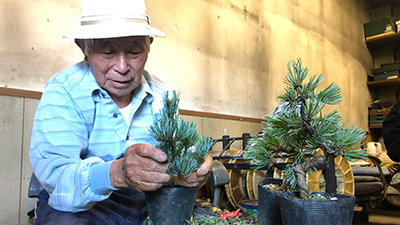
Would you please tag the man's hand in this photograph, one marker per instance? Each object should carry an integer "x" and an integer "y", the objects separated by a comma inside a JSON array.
[
  {"x": 199, "y": 177},
  {"x": 142, "y": 168}
]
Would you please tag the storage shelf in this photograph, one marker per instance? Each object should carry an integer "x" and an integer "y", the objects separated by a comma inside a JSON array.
[
  {"x": 378, "y": 126},
  {"x": 384, "y": 84},
  {"x": 385, "y": 42},
  {"x": 379, "y": 3},
  {"x": 389, "y": 40}
]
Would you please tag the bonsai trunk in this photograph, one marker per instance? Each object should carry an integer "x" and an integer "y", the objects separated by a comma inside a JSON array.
[{"x": 301, "y": 171}]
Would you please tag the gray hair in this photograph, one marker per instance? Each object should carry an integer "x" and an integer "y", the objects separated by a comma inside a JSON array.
[{"x": 88, "y": 44}]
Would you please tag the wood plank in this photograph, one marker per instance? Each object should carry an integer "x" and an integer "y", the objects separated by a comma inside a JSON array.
[
  {"x": 20, "y": 93},
  {"x": 384, "y": 84},
  {"x": 376, "y": 126},
  {"x": 220, "y": 116},
  {"x": 385, "y": 41}
]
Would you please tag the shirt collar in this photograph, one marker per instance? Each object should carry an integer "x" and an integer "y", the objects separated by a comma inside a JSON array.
[
  {"x": 94, "y": 87},
  {"x": 146, "y": 88}
]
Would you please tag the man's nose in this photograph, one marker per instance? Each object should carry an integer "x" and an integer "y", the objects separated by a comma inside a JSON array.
[{"x": 121, "y": 64}]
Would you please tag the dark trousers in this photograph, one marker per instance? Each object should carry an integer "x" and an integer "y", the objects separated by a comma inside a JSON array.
[{"x": 125, "y": 206}]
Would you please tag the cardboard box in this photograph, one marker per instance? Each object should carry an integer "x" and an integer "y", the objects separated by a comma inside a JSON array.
[{"x": 379, "y": 27}]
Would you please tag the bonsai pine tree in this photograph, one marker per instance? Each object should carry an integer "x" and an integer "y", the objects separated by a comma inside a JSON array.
[
  {"x": 179, "y": 139},
  {"x": 299, "y": 128}
]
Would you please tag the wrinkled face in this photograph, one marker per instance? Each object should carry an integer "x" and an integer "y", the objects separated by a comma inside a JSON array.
[{"x": 118, "y": 64}]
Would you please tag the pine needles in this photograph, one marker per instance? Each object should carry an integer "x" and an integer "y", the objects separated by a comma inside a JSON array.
[
  {"x": 179, "y": 139},
  {"x": 300, "y": 126}
]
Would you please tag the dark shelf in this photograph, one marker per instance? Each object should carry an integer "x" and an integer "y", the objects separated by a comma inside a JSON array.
[
  {"x": 389, "y": 40},
  {"x": 375, "y": 126},
  {"x": 373, "y": 4},
  {"x": 384, "y": 84}
]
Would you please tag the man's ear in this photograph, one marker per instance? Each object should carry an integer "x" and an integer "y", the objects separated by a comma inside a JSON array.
[
  {"x": 81, "y": 45},
  {"x": 151, "y": 39}
]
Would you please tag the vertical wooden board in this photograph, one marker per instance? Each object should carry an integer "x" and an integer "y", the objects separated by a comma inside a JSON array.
[
  {"x": 10, "y": 150},
  {"x": 247, "y": 127},
  {"x": 216, "y": 128},
  {"x": 27, "y": 204},
  {"x": 253, "y": 128},
  {"x": 211, "y": 128}
]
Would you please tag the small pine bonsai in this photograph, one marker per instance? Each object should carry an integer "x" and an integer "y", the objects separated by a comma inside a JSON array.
[
  {"x": 179, "y": 139},
  {"x": 299, "y": 128}
]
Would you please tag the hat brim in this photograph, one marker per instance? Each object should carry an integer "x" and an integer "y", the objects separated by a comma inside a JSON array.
[{"x": 115, "y": 33}]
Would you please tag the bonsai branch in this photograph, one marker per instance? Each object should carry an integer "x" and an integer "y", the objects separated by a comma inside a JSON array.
[{"x": 328, "y": 149}]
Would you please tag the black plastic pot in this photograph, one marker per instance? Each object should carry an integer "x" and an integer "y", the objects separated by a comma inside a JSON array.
[
  {"x": 268, "y": 205},
  {"x": 296, "y": 211},
  {"x": 171, "y": 205}
]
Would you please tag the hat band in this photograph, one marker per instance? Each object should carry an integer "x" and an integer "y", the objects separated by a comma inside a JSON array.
[
  {"x": 114, "y": 21},
  {"x": 143, "y": 19}
]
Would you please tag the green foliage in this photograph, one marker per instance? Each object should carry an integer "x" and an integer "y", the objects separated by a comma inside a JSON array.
[
  {"x": 179, "y": 139},
  {"x": 300, "y": 127},
  {"x": 148, "y": 221},
  {"x": 199, "y": 219}
]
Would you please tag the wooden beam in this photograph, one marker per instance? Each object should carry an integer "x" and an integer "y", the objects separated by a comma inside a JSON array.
[
  {"x": 220, "y": 116},
  {"x": 20, "y": 93}
]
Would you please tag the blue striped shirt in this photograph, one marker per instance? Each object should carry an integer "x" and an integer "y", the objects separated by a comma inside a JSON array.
[{"x": 79, "y": 131}]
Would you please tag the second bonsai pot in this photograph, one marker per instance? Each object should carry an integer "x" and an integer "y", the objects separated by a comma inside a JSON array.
[
  {"x": 171, "y": 205},
  {"x": 296, "y": 211},
  {"x": 268, "y": 205}
]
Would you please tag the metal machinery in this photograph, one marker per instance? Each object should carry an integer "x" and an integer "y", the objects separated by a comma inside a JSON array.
[
  {"x": 335, "y": 176},
  {"x": 243, "y": 179}
]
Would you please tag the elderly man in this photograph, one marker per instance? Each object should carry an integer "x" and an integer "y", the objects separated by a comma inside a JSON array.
[{"x": 90, "y": 147}]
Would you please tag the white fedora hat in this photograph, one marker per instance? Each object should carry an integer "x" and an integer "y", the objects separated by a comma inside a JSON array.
[{"x": 114, "y": 18}]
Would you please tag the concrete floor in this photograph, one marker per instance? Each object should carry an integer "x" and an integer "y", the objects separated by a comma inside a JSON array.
[
  {"x": 384, "y": 216},
  {"x": 379, "y": 219},
  {"x": 376, "y": 218}
]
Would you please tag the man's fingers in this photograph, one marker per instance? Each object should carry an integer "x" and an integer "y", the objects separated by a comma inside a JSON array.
[
  {"x": 206, "y": 167},
  {"x": 153, "y": 166},
  {"x": 148, "y": 181},
  {"x": 144, "y": 167},
  {"x": 197, "y": 178},
  {"x": 148, "y": 151}
]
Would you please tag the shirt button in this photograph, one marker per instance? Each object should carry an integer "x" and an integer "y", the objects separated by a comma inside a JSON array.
[{"x": 115, "y": 115}]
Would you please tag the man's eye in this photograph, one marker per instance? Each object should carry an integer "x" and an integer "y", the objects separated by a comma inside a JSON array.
[
  {"x": 135, "y": 53},
  {"x": 108, "y": 53}
]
